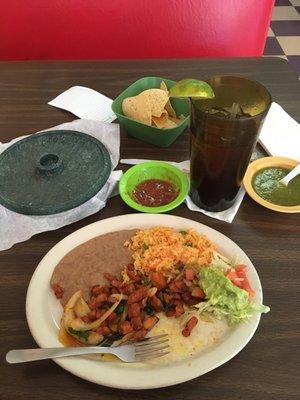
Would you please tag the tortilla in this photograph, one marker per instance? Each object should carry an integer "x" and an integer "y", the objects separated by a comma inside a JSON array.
[
  {"x": 163, "y": 122},
  {"x": 177, "y": 121},
  {"x": 163, "y": 86},
  {"x": 168, "y": 107},
  {"x": 158, "y": 99},
  {"x": 84, "y": 266},
  {"x": 138, "y": 108},
  {"x": 170, "y": 110}
]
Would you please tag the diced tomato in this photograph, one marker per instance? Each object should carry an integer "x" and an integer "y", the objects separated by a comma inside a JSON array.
[
  {"x": 158, "y": 280},
  {"x": 150, "y": 322},
  {"x": 176, "y": 296},
  {"x": 138, "y": 295},
  {"x": 241, "y": 270},
  {"x": 198, "y": 292},
  {"x": 189, "y": 300},
  {"x": 179, "y": 283},
  {"x": 238, "y": 277},
  {"x": 137, "y": 323},
  {"x": 173, "y": 287},
  {"x": 134, "y": 310},
  {"x": 170, "y": 313},
  {"x": 116, "y": 283},
  {"x": 140, "y": 334},
  {"x": 109, "y": 277},
  {"x": 167, "y": 297},
  {"x": 126, "y": 327},
  {"x": 134, "y": 277},
  {"x": 189, "y": 326},
  {"x": 235, "y": 279},
  {"x": 129, "y": 288},
  {"x": 92, "y": 315},
  {"x": 156, "y": 303},
  {"x": 247, "y": 287},
  {"x": 189, "y": 274},
  {"x": 97, "y": 289},
  {"x": 143, "y": 315},
  {"x": 103, "y": 330},
  {"x": 179, "y": 310}
]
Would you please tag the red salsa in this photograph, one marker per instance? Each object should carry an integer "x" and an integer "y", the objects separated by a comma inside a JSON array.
[{"x": 154, "y": 192}]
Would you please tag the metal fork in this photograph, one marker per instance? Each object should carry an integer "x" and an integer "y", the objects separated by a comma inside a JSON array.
[{"x": 138, "y": 351}]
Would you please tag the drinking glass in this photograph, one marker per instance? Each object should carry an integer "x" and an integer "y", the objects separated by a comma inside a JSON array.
[{"x": 224, "y": 132}]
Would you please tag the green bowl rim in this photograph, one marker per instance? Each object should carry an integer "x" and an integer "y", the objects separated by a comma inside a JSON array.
[
  {"x": 167, "y": 207},
  {"x": 140, "y": 123}
]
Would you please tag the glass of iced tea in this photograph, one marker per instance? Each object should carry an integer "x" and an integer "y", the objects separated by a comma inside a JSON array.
[{"x": 224, "y": 132}]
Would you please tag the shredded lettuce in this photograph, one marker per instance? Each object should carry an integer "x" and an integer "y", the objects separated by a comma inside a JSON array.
[
  {"x": 224, "y": 299},
  {"x": 220, "y": 261}
]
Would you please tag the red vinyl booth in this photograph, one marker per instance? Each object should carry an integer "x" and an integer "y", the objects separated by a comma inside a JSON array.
[{"x": 132, "y": 29}]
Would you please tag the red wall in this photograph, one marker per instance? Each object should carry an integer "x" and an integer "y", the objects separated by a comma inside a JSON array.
[{"x": 115, "y": 29}]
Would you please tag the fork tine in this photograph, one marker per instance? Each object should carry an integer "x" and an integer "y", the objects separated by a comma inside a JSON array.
[
  {"x": 152, "y": 356},
  {"x": 152, "y": 338},
  {"x": 150, "y": 350},
  {"x": 144, "y": 345}
]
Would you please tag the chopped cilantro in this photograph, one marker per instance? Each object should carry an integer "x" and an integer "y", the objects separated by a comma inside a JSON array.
[
  {"x": 167, "y": 306},
  {"x": 183, "y": 232},
  {"x": 110, "y": 339},
  {"x": 180, "y": 266},
  {"x": 81, "y": 334},
  {"x": 149, "y": 310},
  {"x": 146, "y": 281},
  {"x": 120, "y": 308}
]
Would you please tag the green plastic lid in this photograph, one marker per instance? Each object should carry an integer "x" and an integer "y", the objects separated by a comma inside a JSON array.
[{"x": 52, "y": 172}]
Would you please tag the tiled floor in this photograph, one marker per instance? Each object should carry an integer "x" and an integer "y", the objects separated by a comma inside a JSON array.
[{"x": 284, "y": 34}]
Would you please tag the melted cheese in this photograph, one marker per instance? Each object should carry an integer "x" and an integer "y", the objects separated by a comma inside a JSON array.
[{"x": 204, "y": 335}]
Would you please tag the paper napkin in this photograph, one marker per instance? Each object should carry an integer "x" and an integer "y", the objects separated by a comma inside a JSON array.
[
  {"x": 227, "y": 215},
  {"x": 85, "y": 103},
  {"x": 15, "y": 228},
  {"x": 280, "y": 134}
]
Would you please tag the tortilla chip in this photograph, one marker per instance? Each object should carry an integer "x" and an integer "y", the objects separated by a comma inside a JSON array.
[
  {"x": 177, "y": 121},
  {"x": 170, "y": 110},
  {"x": 138, "y": 108},
  {"x": 164, "y": 113},
  {"x": 158, "y": 99},
  {"x": 163, "y": 86},
  {"x": 168, "y": 106},
  {"x": 163, "y": 122}
]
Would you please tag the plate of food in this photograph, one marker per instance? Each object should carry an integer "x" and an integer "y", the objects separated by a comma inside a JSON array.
[{"x": 141, "y": 275}]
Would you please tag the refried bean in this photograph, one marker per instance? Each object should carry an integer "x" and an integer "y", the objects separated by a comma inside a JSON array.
[{"x": 87, "y": 263}]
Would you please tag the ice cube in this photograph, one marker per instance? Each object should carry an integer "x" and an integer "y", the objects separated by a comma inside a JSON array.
[{"x": 228, "y": 112}]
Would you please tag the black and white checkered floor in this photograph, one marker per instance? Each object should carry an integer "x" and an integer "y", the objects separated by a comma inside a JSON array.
[{"x": 284, "y": 33}]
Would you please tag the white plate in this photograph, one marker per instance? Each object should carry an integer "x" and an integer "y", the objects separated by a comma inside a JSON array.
[{"x": 43, "y": 312}]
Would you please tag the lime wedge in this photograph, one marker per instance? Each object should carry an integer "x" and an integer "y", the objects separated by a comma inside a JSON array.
[{"x": 192, "y": 88}]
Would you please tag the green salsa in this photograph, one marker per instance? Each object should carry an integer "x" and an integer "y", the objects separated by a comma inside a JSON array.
[{"x": 265, "y": 183}]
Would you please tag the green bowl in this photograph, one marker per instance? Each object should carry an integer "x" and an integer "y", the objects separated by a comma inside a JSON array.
[
  {"x": 151, "y": 134},
  {"x": 153, "y": 170}
]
